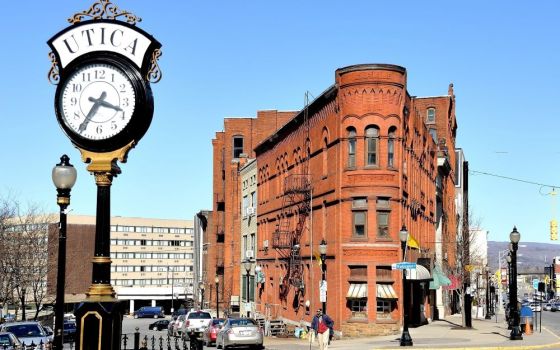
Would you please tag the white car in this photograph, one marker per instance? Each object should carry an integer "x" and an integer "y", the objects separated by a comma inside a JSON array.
[
  {"x": 28, "y": 333},
  {"x": 536, "y": 307},
  {"x": 195, "y": 322}
]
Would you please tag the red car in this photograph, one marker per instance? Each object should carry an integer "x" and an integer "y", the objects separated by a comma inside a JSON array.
[{"x": 210, "y": 333}]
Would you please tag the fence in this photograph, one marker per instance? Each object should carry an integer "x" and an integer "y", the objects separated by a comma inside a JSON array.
[{"x": 129, "y": 341}]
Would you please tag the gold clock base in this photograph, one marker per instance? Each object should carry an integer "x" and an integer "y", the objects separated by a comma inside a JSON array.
[{"x": 106, "y": 162}]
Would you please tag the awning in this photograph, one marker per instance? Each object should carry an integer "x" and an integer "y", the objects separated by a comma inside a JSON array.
[
  {"x": 440, "y": 279},
  {"x": 419, "y": 273},
  {"x": 357, "y": 291},
  {"x": 386, "y": 291}
]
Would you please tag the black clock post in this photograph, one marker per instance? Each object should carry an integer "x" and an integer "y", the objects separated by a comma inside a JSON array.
[{"x": 104, "y": 105}]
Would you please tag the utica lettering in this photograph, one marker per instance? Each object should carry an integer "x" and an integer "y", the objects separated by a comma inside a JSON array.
[{"x": 101, "y": 36}]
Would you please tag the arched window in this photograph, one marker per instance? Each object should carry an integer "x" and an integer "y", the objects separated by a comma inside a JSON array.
[
  {"x": 372, "y": 143},
  {"x": 351, "y": 134},
  {"x": 325, "y": 158},
  {"x": 391, "y": 147}
]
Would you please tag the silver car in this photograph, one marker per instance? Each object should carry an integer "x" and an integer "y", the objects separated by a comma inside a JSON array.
[
  {"x": 240, "y": 332},
  {"x": 28, "y": 333},
  {"x": 8, "y": 341}
]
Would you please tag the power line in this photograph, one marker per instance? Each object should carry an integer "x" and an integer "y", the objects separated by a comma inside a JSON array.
[{"x": 512, "y": 179}]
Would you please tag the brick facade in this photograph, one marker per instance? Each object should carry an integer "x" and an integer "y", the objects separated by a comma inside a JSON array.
[{"x": 373, "y": 167}]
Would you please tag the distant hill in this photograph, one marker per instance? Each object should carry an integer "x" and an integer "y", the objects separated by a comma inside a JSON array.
[{"x": 532, "y": 256}]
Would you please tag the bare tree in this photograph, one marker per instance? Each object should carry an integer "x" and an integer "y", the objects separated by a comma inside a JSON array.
[{"x": 23, "y": 242}]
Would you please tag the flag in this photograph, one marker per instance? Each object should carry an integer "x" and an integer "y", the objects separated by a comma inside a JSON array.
[
  {"x": 412, "y": 243},
  {"x": 318, "y": 257}
]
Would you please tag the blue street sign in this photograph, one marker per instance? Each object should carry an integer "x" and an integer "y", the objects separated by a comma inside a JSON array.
[
  {"x": 404, "y": 265},
  {"x": 536, "y": 283}
]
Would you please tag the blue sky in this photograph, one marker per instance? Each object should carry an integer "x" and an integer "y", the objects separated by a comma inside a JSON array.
[{"x": 232, "y": 58}]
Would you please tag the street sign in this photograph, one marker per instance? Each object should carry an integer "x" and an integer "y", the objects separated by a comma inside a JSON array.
[
  {"x": 535, "y": 283},
  {"x": 323, "y": 291},
  {"x": 403, "y": 266}
]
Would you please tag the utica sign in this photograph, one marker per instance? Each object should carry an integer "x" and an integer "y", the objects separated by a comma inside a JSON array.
[{"x": 100, "y": 35}]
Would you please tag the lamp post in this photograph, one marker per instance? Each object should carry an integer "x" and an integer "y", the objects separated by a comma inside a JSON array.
[
  {"x": 406, "y": 339},
  {"x": 247, "y": 264},
  {"x": 201, "y": 288},
  {"x": 64, "y": 177},
  {"x": 217, "y": 281},
  {"x": 515, "y": 334},
  {"x": 323, "y": 252},
  {"x": 487, "y": 317}
]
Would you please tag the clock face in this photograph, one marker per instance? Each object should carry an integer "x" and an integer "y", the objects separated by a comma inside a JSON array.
[{"x": 97, "y": 101}]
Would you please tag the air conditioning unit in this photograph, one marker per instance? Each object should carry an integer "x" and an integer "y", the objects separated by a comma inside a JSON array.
[
  {"x": 250, "y": 211},
  {"x": 249, "y": 254},
  {"x": 265, "y": 243}
]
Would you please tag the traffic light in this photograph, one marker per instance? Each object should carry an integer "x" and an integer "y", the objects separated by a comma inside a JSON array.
[{"x": 553, "y": 230}]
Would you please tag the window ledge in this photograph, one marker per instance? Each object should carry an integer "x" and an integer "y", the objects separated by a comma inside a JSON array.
[
  {"x": 384, "y": 239},
  {"x": 357, "y": 320},
  {"x": 372, "y": 167},
  {"x": 386, "y": 321},
  {"x": 358, "y": 239}
]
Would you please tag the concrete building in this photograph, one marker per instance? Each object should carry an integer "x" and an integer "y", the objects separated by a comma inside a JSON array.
[
  {"x": 361, "y": 161},
  {"x": 248, "y": 177},
  {"x": 152, "y": 260}
]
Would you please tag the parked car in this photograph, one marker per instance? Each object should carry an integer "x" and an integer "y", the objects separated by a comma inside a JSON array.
[
  {"x": 211, "y": 332},
  {"x": 547, "y": 307},
  {"x": 195, "y": 321},
  {"x": 9, "y": 317},
  {"x": 149, "y": 311},
  {"x": 555, "y": 307},
  {"x": 159, "y": 325},
  {"x": 8, "y": 341},
  {"x": 69, "y": 330},
  {"x": 179, "y": 312},
  {"x": 240, "y": 332},
  {"x": 27, "y": 332},
  {"x": 536, "y": 307}
]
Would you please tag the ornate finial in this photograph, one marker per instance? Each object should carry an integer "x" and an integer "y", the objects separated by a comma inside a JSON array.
[
  {"x": 54, "y": 76},
  {"x": 104, "y": 9},
  {"x": 154, "y": 73}
]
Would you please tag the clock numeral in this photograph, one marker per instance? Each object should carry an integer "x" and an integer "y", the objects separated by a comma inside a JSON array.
[
  {"x": 86, "y": 76},
  {"x": 126, "y": 102},
  {"x": 76, "y": 115},
  {"x": 99, "y": 129},
  {"x": 73, "y": 101},
  {"x": 113, "y": 125},
  {"x": 76, "y": 87},
  {"x": 122, "y": 87},
  {"x": 100, "y": 74},
  {"x": 112, "y": 77}
]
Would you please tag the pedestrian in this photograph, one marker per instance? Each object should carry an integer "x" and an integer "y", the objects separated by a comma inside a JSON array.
[{"x": 322, "y": 325}]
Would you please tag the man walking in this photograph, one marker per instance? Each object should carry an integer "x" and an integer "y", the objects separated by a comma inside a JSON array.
[{"x": 322, "y": 325}]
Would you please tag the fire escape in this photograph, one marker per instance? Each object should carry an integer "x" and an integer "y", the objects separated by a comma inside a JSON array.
[{"x": 296, "y": 207}]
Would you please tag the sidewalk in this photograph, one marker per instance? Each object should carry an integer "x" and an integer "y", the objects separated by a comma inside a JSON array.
[{"x": 443, "y": 334}]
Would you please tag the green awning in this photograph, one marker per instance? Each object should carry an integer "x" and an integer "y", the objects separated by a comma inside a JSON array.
[{"x": 439, "y": 278}]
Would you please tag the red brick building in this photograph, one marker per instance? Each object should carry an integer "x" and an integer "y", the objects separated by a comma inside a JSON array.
[{"x": 352, "y": 168}]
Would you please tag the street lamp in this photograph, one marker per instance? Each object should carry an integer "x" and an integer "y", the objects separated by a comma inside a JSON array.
[
  {"x": 406, "y": 339},
  {"x": 247, "y": 264},
  {"x": 515, "y": 334},
  {"x": 487, "y": 317},
  {"x": 217, "y": 281},
  {"x": 64, "y": 177},
  {"x": 323, "y": 252},
  {"x": 201, "y": 288}
]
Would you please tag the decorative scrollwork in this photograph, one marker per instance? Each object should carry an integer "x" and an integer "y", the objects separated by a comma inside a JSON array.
[
  {"x": 154, "y": 73},
  {"x": 53, "y": 76},
  {"x": 104, "y": 9}
]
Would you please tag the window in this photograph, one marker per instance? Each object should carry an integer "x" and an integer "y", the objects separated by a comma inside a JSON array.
[
  {"x": 325, "y": 158},
  {"x": 359, "y": 217},
  {"x": 386, "y": 295},
  {"x": 351, "y": 133},
  {"x": 384, "y": 307},
  {"x": 372, "y": 141},
  {"x": 431, "y": 115},
  {"x": 245, "y": 206},
  {"x": 391, "y": 148},
  {"x": 383, "y": 214},
  {"x": 356, "y": 299},
  {"x": 254, "y": 199},
  {"x": 237, "y": 146},
  {"x": 433, "y": 132}
]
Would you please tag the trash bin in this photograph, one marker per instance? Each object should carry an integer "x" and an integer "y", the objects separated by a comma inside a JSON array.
[{"x": 526, "y": 320}]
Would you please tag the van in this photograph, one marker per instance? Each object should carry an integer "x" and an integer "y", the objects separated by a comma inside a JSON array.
[{"x": 149, "y": 311}]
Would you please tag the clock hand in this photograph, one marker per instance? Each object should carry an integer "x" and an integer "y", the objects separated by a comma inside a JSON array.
[
  {"x": 104, "y": 103},
  {"x": 92, "y": 111}
]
